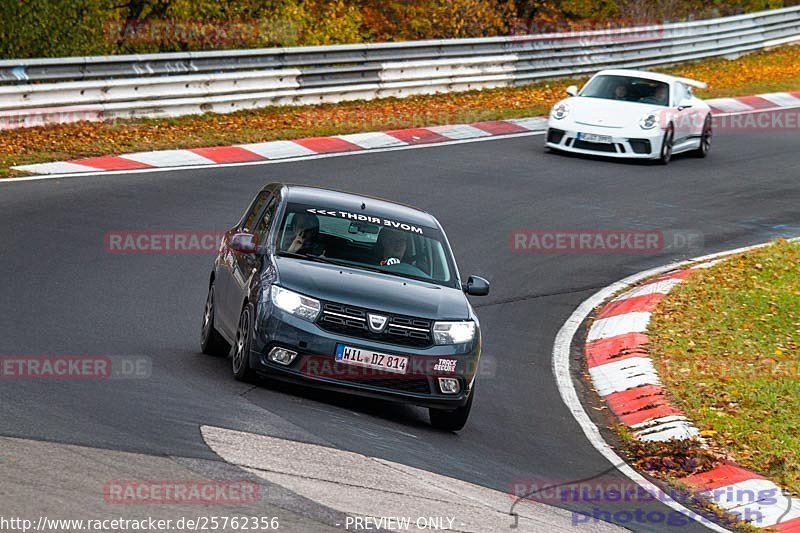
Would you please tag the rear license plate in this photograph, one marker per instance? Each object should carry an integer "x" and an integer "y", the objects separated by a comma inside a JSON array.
[
  {"x": 593, "y": 138},
  {"x": 369, "y": 359}
]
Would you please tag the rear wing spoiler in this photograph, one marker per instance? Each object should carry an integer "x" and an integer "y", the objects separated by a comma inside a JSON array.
[{"x": 693, "y": 83}]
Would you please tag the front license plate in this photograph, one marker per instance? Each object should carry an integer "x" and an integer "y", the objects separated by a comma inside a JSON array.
[
  {"x": 369, "y": 359},
  {"x": 593, "y": 138}
]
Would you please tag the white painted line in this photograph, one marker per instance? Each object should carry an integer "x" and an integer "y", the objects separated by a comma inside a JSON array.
[
  {"x": 731, "y": 105},
  {"x": 759, "y": 499},
  {"x": 604, "y": 328},
  {"x": 169, "y": 158},
  {"x": 562, "y": 347},
  {"x": 57, "y": 167},
  {"x": 653, "y": 424},
  {"x": 707, "y": 264},
  {"x": 531, "y": 123},
  {"x": 310, "y": 157},
  {"x": 622, "y": 375},
  {"x": 781, "y": 99},
  {"x": 658, "y": 287},
  {"x": 678, "y": 430},
  {"x": 743, "y": 493},
  {"x": 278, "y": 149},
  {"x": 370, "y": 141},
  {"x": 295, "y": 152},
  {"x": 459, "y": 131}
]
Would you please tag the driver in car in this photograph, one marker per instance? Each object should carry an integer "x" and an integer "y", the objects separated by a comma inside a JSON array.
[
  {"x": 620, "y": 92},
  {"x": 659, "y": 97},
  {"x": 392, "y": 246},
  {"x": 305, "y": 237}
]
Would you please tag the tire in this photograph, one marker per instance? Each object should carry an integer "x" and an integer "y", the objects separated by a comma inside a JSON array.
[
  {"x": 240, "y": 359},
  {"x": 705, "y": 139},
  {"x": 211, "y": 342},
  {"x": 451, "y": 420},
  {"x": 666, "y": 146}
]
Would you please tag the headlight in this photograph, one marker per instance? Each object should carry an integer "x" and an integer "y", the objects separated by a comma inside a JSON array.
[
  {"x": 560, "y": 111},
  {"x": 296, "y": 304},
  {"x": 648, "y": 122},
  {"x": 453, "y": 332}
]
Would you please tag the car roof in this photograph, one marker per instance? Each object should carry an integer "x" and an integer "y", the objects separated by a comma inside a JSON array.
[
  {"x": 656, "y": 76},
  {"x": 344, "y": 201}
]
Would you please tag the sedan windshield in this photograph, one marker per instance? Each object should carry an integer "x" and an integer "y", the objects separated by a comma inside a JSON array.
[
  {"x": 628, "y": 89},
  {"x": 365, "y": 241}
]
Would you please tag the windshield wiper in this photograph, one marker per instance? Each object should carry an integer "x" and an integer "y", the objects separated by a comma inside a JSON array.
[{"x": 285, "y": 253}]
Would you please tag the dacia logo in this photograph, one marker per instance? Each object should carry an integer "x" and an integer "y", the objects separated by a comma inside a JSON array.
[{"x": 377, "y": 323}]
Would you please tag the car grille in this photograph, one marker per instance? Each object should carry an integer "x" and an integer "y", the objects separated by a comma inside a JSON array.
[
  {"x": 416, "y": 385},
  {"x": 595, "y": 147},
  {"x": 554, "y": 136},
  {"x": 352, "y": 321},
  {"x": 640, "y": 146}
]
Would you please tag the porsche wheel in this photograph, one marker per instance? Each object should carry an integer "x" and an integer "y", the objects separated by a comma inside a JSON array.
[
  {"x": 666, "y": 146},
  {"x": 705, "y": 138}
]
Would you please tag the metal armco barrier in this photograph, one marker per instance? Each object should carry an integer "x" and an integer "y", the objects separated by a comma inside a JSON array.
[{"x": 45, "y": 91}]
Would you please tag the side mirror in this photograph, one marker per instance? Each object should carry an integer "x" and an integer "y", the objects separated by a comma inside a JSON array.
[
  {"x": 476, "y": 286},
  {"x": 684, "y": 104},
  {"x": 243, "y": 242},
  {"x": 572, "y": 90}
]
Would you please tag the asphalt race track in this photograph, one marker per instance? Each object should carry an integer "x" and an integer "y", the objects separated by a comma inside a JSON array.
[{"x": 62, "y": 293}]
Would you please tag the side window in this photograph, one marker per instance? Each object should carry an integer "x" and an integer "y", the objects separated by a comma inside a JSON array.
[
  {"x": 255, "y": 210},
  {"x": 263, "y": 225},
  {"x": 681, "y": 93}
]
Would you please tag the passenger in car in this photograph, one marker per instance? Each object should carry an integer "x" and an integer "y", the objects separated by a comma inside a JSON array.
[{"x": 621, "y": 92}]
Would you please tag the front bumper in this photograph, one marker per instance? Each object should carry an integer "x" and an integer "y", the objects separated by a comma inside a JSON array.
[
  {"x": 316, "y": 365},
  {"x": 625, "y": 143}
]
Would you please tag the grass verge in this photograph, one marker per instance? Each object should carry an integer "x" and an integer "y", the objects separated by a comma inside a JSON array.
[
  {"x": 775, "y": 70},
  {"x": 727, "y": 346}
]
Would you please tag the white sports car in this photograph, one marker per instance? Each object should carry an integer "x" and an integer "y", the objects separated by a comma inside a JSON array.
[{"x": 631, "y": 113}]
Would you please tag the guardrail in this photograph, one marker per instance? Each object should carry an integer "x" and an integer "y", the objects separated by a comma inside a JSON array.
[{"x": 40, "y": 91}]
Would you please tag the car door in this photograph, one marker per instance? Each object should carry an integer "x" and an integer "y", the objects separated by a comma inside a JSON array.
[
  {"x": 227, "y": 298},
  {"x": 246, "y": 266},
  {"x": 686, "y": 120}
]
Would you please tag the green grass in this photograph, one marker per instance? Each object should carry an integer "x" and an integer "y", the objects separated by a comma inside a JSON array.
[{"x": 727, "y": 346}]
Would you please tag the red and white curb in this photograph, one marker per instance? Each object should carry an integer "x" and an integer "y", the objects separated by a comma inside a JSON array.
[
  {"x": 623, "y": 374},
  {"x": 758, "y": 102},
  {"x": 358, "y": 142},
  {"x": 298, "y": 148}
]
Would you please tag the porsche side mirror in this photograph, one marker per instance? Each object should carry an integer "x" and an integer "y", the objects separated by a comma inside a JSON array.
[
  {"x": 572, "y": 90},
  {"x": 476, "y": 286},
  {"x": 243, "y": 242}
]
